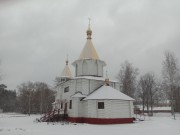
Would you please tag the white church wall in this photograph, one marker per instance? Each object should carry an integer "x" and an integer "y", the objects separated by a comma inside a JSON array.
[
  {"x": 85, "y": 86},
  {"x": 100, "y": 68},
  {"x": 131, "y": 108},
  {"x": 92, "y": 111},
  {"x": 92, "y": 67},
  {"x": 79, "y": 108},
  {"x": 57, "y": 94},
  {"x": 73, "y": 86},
  {"x": 72, "y": 89},
  {"x": 107, "y": 109},
  {"x": 73, "y": 112},
  {"x": 85, "y": 68},
  {"x": 120, "y": 109},
  {"x": 89, "y": 67},
  {"x": 66, "y": 95},
  {"x": 78, "y": 84},
  {"x": 89, "y": 109},
  {"x": 78, "y": 68},
  {"x": 102, "y": 113},
  {"x": 82, "y": 108},
  {"x": 112, "y": 109},
  {"x": 94, "y": 84}
]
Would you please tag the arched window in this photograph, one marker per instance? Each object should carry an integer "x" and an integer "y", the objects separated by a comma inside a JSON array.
[
  {"x": 85, "y": 68},
  {"x": 76, "y": 69},
  {"x": 70, "y": 104}
]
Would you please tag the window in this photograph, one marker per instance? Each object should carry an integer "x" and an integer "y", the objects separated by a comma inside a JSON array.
[
  {"x": 70, "y": 104},
  {"x": 61, "y": 105},
  {"x": 100, "y": 105},
  {"x": 62, "y": 80},
  {"x": 66, "y": 89},
  {"x": 76, "y": 69},
  {"x": 85, "y": 68}
]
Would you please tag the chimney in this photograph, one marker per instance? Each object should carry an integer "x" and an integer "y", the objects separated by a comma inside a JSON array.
[{"x": 107, "y": 81}]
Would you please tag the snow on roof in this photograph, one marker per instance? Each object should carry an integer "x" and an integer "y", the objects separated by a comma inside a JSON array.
[
  {"x": 107, "y": 92},
  {"x": 94, "y": 78},
  {"x": 78, "y": 95}
]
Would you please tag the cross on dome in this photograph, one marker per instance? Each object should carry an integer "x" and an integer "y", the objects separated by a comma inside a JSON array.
[
  {"x": 67, "y": 60},
  {"x": 89, "y": 52},
  {"x": 89, "y": 31},
  {"x": 66, "y": 72}
]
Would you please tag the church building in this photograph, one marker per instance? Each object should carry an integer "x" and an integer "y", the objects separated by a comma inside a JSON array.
[{"x": 88, "y": 96}]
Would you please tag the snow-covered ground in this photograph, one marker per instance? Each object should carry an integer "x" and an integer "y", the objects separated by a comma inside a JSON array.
[
  {"x": 18, "y": 124},
  {"x": 168, "y": 108}
]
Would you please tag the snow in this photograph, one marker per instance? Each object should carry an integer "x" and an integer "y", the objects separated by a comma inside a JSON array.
[
  {"x": 18, "y": 124},
  {"x": 162, "y": 108},
  {"x": 107, "y": 92},
  {"x": 77, "y": 95},
  {"x": 94, "y": 78},
  {"x": 156, "y": 108}
]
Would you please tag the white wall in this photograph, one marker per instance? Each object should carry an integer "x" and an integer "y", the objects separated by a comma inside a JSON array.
[
  {"x": 74, "y": 111},
  {"x": 79, "y": 108},
  {"x": 94, "y": 84},
  {"x": 120, "y": 109},
  {"x": 113, "y": 109},
  {"x": 86, "y": 86},
  {"x": 89, "y": 67},
  {"x": 89, "y": 109}
]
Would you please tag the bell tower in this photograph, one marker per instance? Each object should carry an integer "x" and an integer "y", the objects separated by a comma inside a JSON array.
[
  {"x": 89, "y": 63},
  {"x": 66, "y": 73}
]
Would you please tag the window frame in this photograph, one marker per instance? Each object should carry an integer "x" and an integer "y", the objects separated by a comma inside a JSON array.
[
  {"x": 61, "y": 105},
  {"x": 66, "y": 89},
  {"x": 70, "y": 104},
  {"x": 100, "y": 105}
]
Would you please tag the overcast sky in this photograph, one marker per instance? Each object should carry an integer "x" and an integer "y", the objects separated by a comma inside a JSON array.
[{"x": 37, "y": 35}]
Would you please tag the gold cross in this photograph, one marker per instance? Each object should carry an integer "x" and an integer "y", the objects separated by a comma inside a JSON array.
[{"x": 89, "y": 21}]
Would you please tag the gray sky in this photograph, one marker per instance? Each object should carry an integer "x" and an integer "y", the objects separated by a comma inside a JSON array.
[{"x": 36, "y": 35}]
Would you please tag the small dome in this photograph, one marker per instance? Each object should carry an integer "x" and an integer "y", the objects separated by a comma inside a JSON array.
[
  {"x": 89, "y": 52},
  {"x": 66, "y": 72}
]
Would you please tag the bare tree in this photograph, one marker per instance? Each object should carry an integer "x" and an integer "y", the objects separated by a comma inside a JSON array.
[
  {"x": 35, "y": 97},
  {"x": 171, "y": 77},
  {"x": 127, "y": 78},
  {"x": 25, "y": 97},
  {"x": 147, "y": 90},
  {"x": 0, "y": 71},
  {"x": 160, "y": 97},
  {"x": 141, "y": 91}
]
